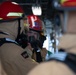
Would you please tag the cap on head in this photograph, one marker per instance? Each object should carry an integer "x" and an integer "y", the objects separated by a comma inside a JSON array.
[
  {"x": 34, "y": 23},
  {"x": 68, "y": 3},
  {"x": 63, "y": 5},
  {"x": 10, "y": 10}
]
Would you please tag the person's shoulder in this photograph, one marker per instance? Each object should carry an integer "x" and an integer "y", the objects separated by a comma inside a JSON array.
[
  {"x": 50, "y": 68},
  {"x": 12, "y": 48},
  {"x": 42, "y": 69},
  {"x": 15, "y": 46}
]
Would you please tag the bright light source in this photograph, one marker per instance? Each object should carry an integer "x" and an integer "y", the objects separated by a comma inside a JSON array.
[{"x": 36, "y": 9}]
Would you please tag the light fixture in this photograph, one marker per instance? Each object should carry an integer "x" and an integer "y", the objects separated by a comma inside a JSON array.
[{"x": 36, "y": 9}]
